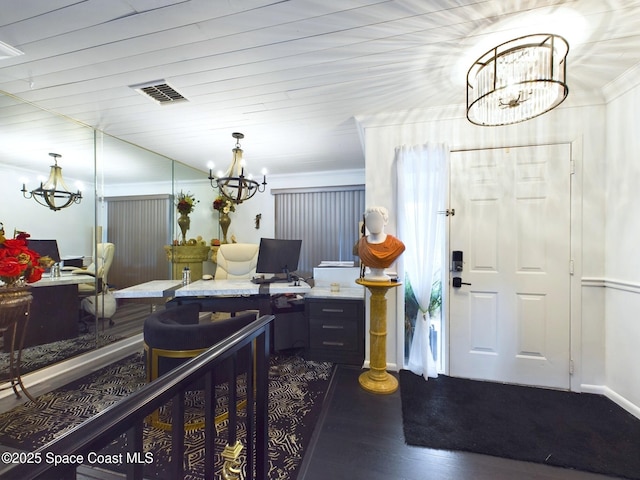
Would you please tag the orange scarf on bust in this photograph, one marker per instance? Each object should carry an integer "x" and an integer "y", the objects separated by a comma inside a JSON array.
[{"x": 380, "y": 255}]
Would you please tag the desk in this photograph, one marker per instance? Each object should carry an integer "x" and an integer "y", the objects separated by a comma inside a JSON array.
[
  {"x": 208, "y": 288},
  {"x": 54, "y": 309},
  {"x": 239, "y": 287},
  {"x": 221, "y": 296},
  {"x": 152, "y": 289}
]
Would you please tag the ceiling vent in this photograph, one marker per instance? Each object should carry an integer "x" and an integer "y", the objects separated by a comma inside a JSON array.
[{"x": 159, "y": 91}]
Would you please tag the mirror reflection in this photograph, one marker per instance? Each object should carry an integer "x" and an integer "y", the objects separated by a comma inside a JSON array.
[
  {"x": 123, "y": 231},
  {"x": 66, "y": 235}
]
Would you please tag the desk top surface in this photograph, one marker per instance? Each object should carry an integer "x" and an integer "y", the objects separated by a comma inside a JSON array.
[
  {"x": 174, "y": 288},
  {"x": 345, "y": 293},
  {"x": 66, "y": 278}
]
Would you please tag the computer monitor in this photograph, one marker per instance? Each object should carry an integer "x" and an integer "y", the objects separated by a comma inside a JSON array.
[
  {"x": 48, "y": 248},
  {"x": 279, "y": 257}
]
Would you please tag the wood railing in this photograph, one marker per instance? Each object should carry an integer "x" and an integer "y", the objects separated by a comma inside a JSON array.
[{"x": 61, "y": 458}]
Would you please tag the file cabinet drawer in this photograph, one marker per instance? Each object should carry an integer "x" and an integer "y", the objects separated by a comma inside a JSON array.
[
  {"x": 334, "y": 334},
  {"x": 336, "y": 330},
  {"x": 333, "y": 309}
]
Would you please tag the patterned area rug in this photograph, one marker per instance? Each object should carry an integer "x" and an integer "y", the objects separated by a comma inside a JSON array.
[
  {"x": 296, "y": 391},
  {"x": 34, "y": 358}
]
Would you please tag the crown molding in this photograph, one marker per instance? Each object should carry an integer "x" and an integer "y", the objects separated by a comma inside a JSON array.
[
  {"x": 7, "y": 51},
  {"x": 622, "y": 84}
]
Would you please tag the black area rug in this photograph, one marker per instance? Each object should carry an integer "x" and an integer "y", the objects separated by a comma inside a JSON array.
[
  {"x": 572, "y": 430},
  {"x": 296, "y": 391}
]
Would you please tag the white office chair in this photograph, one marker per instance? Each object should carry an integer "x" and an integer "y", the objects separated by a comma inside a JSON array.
[
  {"x": 103, "y": 260},
  {"x": 237, "y": 261},
  {"x": 99, "y": 268}
]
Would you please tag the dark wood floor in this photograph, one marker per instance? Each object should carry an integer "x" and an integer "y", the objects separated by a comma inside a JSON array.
[{"x": 359, "y": 437}]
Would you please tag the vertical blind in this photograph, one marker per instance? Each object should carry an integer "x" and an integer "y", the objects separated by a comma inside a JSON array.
[
  {"x": 139, "y": 228},
  {"x": 326, "y": 220}
]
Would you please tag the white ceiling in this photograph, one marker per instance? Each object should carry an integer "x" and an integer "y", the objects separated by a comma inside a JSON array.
[{"x": 291, "y": 75}]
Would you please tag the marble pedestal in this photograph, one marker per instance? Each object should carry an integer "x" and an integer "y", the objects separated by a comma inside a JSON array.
[{"x": 377, "y": 379}]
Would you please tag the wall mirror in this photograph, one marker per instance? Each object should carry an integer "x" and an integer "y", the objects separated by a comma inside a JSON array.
[{"x": 127, "y": 200}]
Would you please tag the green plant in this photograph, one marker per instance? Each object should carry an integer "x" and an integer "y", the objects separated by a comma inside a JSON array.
[{"x": 435, "y": 302}]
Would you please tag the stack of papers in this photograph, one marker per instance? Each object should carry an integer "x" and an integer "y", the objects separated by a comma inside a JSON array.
[{"x": 335, "y": 263}]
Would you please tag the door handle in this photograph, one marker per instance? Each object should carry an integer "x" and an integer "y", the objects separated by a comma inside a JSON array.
[{"x": 457, "y": 282}]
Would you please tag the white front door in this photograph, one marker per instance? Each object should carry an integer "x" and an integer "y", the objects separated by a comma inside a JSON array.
[{"x": 509, "y": 319}]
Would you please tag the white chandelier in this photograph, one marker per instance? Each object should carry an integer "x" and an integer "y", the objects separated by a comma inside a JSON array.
[
  {"x": 234, "y": 184},
  {"x": 518, "y": 80},
  {"x": 53, "y": 193}
]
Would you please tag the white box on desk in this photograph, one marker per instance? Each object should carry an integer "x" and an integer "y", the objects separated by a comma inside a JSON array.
[{"x": 345, "y": 276}]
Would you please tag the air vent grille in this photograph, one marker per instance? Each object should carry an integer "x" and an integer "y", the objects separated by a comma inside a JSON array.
[{"x": 159, "y": 91}]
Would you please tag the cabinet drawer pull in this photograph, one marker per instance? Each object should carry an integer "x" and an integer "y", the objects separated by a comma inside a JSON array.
[
  {"x": 334, "y": 344},
  {"x": 333, "y": 327},
  {"x": 333, "y": 310}
]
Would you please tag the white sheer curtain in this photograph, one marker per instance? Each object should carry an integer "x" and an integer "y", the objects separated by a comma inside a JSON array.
[{"x": 421, "y": 173}]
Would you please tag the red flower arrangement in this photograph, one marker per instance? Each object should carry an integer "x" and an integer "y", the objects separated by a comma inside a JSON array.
[
  {"x": 223, "y": 205},
  {"x": 185, "y": 203},
  {"x": 18, "y": 264}
]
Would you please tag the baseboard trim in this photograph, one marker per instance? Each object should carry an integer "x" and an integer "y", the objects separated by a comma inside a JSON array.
[
  {"x": 391, "y": 367},
  {"x": 614, "y": 397}
]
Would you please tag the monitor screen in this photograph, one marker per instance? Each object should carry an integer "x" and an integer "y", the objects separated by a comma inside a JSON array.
[
  {"x": 48, "y": 248},
  {"x": 278, "y": 256}
]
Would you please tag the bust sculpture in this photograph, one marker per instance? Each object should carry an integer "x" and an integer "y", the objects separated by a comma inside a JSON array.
[{"x": 378, "y": 250}]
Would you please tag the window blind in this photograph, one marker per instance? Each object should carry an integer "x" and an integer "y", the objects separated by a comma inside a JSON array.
[
  {"x": 326, "y": 220},
  {"x": 139, "y": 228}
]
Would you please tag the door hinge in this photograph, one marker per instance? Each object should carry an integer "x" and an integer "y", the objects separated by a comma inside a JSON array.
[
  {"x": 572, "y": 167},
  {"x": 570, "y": 367},
  {"x": 571, "y": 266}
]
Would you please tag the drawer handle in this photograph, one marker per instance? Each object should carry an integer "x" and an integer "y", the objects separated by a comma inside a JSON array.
[
  {"x": 333, "y": 327},
  {"x": 334, "y": 344},
  {"x": 333, "y": 310}
]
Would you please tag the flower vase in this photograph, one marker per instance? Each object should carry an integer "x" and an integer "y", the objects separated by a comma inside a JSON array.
[
  {"x": 14, "y": 305},
  {"x": 225, "y": 221},
  {"x": 14, "y": 316},
  {"x": 184, "y": 222}
]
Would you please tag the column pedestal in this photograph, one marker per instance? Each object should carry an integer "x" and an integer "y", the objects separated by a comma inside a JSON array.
[
  {"x": 377, "y": 379},
  {"x": 190, "y": 256}
]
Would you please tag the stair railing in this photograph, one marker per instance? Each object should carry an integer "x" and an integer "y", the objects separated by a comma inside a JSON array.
[{"x": 61, "y": 457}]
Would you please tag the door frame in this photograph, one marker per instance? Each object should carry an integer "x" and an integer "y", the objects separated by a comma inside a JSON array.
[{"x": 575, "y": 301}]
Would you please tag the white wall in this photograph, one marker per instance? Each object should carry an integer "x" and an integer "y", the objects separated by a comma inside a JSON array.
[
  {"x": 72, "y": 226},
  {"x": 622, "y": 270},
  {"x": 584, "y": 128},
  {"x": 204, "y": 219}
]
